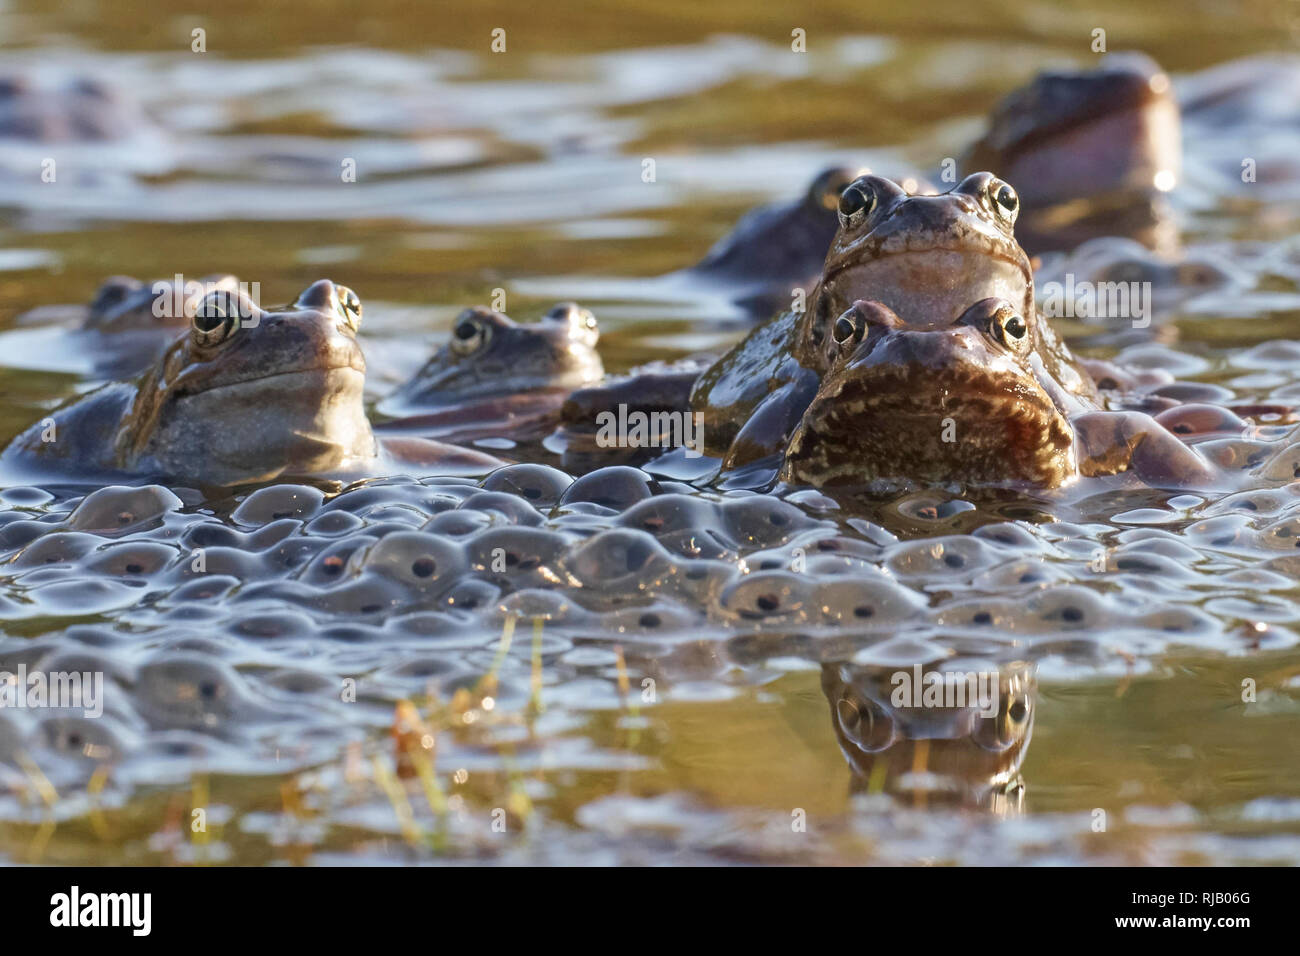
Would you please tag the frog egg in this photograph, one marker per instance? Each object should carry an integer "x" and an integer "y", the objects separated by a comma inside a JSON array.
[
  {"x": 1188, "y": 623},
  {"x": 760, "y": 521},
  {"x": 470, "y": 595},
  {"x": 1010, "y": 534},
  {"x": 769, "y": 597},
  {"x": 118, "y": 509},
  {"x": 1224, "y": 531},
  {"x": 95, "y": 740},
  {"x": 62, "y": 547},
  {"x": 19, "y": 533},
  {"x": 1237, "y": 454},
  {"x": 513, "y": 508},
  {"x": 1185, "y": 392},
  {"x": 423, "y": 563},
  {"x": 1068, "y": 608},
  {"x": 331, "y": 563},
  {"x": 994, "y": 614},
  {"x": 302, "y": 682},
  {"x": 664, "y": 514},
  {"x": 660, "y": 618},
  {"x": 194, "y": 693},
  {"x": 211, "y": 589},
  {"x": 518, "y": 557},
  {"x": 699, "y": 582},
  {"x": 1283, "y": 465},
  {"x": 278, "y": 502},
  {"x": 940, "y": 557},
  {"x": 696, "y": 543},
  {"x": 272, "y": 626},
  {"x": 1281, "y": 535},
  {"x": 539, "y": 485},
  {"x": 418, "y": 672},
  {"x": 233, "y": 561},
  {"x": 1261, "y": 502},
  {"x": 617, "y": 487},
  {"x": 371, "y": 594},
  {"x": 620, "y": 565},
  {"x": 458, "y": 524},
  {"x": 1018, "y": 575},
  {"x": 860, "y": 603}
]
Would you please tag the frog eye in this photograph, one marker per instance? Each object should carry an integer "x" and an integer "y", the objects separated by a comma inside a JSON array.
[
  {"x": 1009, "y": 328},
  {"x": 350, "y": 307},
  {"x": 1008, "y": 725},
  {"x": 847, "y": 330},
  {"x": 864, "y": 723},
  {"x": 113, "y": 292},
  {"x": 1003, "y": 199},
  {"x": 217, "y": 317},
  {"x": 582, "y": 324},
  {"x": 856, "y": 203},
  {"x": 469, "y": 334}
]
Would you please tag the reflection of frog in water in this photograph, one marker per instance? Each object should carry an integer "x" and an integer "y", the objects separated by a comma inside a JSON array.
[{"x": 944, "y": 733}]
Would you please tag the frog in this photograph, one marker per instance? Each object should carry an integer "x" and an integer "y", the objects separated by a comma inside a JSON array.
[
  {"x": 940, "y": 369},
  {"x": 122, "y": 330},
  {"x": 83, "y": 109},
  {"x": 920, "y": 254},
  {"x": 658, "y": 393},
  {"x": 963, "y": 746},
  {"x": 243, "y": 396},
  {"x": 778, "y": 246},
  {"x": 975, "y": 402},
  {"x": 498, "y": 377},
  {"x": 1095, "y": 151}
]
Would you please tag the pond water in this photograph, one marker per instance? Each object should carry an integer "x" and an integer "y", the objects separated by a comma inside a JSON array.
[{"x": 346, "y": 676}]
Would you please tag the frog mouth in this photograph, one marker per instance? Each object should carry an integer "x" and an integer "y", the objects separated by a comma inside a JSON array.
[
  {"x": 337, "y": 373},
  {"x": 964, "y": 424},
  {"x": 935, "y": 283}
]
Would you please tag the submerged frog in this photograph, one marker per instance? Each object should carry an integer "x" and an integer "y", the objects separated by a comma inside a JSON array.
[
  {"x": 921, "y": 358},
  {"x": 496, "y": 376},
  {"x": 245, "y": 395},
  {"x": 1094, "y": 149},
  {"x": 1094, "y": 152},
  {"x": 123, "y": 330},
  {"x": 84, "y": 109},
  {"x": 776, "y": 247},
  {"x": 941, "y": 732},
  {"x": 597, "y": 423}
]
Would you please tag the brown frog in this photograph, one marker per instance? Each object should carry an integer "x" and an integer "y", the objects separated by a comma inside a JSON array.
[
  {"x": 498, "y": 377},
  {"x": 1094, "y": 151},
  {"x": 921, "y": 359},
  {"x": 244, "y": 395}
]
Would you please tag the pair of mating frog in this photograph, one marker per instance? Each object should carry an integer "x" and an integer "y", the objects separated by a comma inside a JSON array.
[{"x": 920, "y": 356}]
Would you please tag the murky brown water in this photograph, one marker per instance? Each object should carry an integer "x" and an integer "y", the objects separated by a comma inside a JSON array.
[{"x": 1144, "y": 611}]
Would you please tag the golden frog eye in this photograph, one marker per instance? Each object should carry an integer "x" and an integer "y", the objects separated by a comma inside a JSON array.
[
  {"x": 216, "y": 318},
  {"x": 350, "y": 307},
  {"x": 469, "y": 335},
  {"x": 1003, "y": 199},
  {"x": 856, "y": 203},
  {"x": 1010, "y": 329}
]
